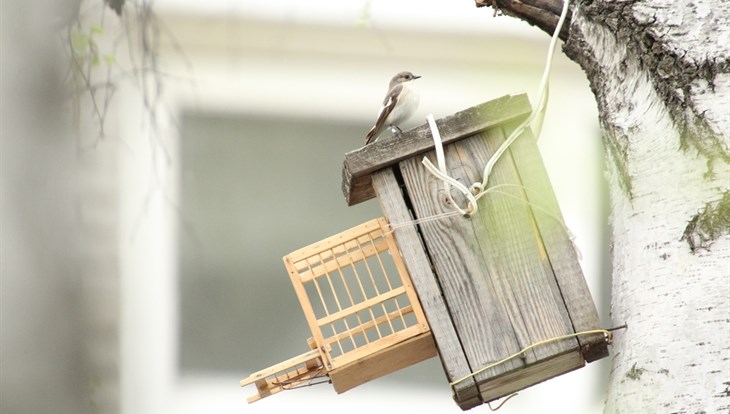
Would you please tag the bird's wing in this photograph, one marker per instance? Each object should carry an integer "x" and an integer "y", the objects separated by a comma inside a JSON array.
[{"x": 388, "y": 104}]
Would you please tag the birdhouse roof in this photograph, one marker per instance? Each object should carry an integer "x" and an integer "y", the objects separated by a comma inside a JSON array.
[{"x": 361, "y": 163}]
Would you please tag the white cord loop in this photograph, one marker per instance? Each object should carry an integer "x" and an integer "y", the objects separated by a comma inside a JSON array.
[
  {"x": 477, "y": 190},
  {"x": 442, "y": 174}
]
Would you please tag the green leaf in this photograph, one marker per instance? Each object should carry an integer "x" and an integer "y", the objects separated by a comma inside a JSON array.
[
  {"x": 110, "y": 59},
  {"x": 96, "y": 29},
  {"x": 79, "y": 42},
  {"x": 364, "y": 17}
]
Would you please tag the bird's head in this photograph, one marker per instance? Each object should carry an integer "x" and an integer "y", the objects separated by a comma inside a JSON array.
[{"x": 402, "y": 77}]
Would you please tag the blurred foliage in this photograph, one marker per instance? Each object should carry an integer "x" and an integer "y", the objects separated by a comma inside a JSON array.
[
  {"x": 107, "y": 42},
  {"x": 364, "y": 18},
  {"x": 92, "y": 60}
]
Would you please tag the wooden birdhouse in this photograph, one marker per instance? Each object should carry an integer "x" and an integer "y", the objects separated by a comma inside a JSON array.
[{"x": 498, "y": 294}]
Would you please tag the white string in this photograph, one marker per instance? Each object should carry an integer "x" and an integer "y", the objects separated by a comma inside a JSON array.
[
  {"x": 396, "y": 226},
  {"x": 479, "y": 189},
  {"x": 444, "y": 175},
  {"x": 538, "y": 114},
  {"x": 544, "y": 82}
]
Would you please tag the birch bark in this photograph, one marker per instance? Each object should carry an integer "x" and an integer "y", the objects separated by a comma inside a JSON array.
[{"x": 660, "y": 71}]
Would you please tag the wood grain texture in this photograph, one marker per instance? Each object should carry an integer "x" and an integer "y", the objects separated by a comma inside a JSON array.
[
  {"x": 511, "y": 244},
  {"x": 360, "y": 163},
  {"x": 493, "y": 268},
  {"x": 559, "y": 248},
  {"x": 401, "y": 355},
  {"x": 409, "y": 242},
  {"x": 531, "y": 375},
  {"x": 479, "y": 313}
]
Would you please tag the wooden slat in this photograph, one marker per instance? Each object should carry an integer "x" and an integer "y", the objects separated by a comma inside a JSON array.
[
  {"x": 511, "y": 245},
  {"x": 383, "y": 362},
  {"x": 369, "y": 324},
  {"x": 559, "y": 248},
  {"x": 479, "y": 313},
  {"x": 332, "y": 264},
  {"x": 368, "y": 303},
  {"x": 308, "y": 311},
  {"x": 354, "y": 243},
  {"x": 531, "y": 375},
  {"x": 409, "y": 242},
  {"x": 282, "y": 366},
  {"x": 337, "y": 240},
  {"x": 493, "y": 268},
  {"x": 405, "y": 277},
  {"x": 359, "y": 164},
  {"x": 363, "y": 352},
  {"x": 266, "y": 388}
]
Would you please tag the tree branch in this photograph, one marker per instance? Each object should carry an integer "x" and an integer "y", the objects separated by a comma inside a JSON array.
[{"x": 541, "y": 13}]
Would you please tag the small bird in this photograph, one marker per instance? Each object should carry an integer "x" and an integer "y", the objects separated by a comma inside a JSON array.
[{"x": 399, "y": 104}]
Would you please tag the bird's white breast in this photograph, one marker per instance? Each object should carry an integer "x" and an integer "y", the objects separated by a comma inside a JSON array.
[{"x": 406, "y": 105}]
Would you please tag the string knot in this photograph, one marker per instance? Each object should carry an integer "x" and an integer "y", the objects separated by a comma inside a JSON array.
[{"x": 441, "y": 173}]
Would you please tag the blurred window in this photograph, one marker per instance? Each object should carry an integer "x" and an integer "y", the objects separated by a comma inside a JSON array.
[{"x": 251, "y": 191}]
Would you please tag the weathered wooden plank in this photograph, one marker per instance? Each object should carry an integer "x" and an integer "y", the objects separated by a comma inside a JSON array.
[
  {"x": 360, "y": 163},
  {"x": 501, "y": 251},
  {"x": 357, "y": 189},
  {"x": 478, "y": 311},
  {"x": 531, "y": 375},
  {"x": 510, "y": 244},
  {"x": 451, "y": 353},
  {"x": 559, "y": 247},
  {"x": 405, "y": 277}
]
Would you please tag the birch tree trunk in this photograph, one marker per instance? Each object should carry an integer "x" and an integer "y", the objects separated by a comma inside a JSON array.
[{"x": 660, "y": 71}]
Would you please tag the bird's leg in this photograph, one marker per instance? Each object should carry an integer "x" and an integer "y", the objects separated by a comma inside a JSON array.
[{"x": 396, "y": 131}]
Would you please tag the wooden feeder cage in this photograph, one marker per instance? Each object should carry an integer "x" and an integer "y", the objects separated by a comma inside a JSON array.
[
  {"x": 364, "y": 314},
  {"x": 476, "y": 290}
]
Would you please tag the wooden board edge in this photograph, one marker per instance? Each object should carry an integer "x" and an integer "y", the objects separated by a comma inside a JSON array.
[
  {"x": 383, "y": 362},
  {"x": 360, "y": 163},
  {"x": 530, "y": 375},
  {"x": 558, "y": 246},
  {"x": 424, "y": 281}
]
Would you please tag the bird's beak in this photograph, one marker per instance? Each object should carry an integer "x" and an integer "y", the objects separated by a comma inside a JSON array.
[{"x": 415, "y": 77}]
